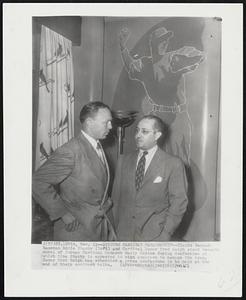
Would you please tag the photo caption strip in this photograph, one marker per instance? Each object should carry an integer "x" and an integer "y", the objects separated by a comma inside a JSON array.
[{"x": 169, "y": 256}]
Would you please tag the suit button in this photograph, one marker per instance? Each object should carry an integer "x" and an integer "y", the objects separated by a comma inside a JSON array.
[{"x": 133, "y": 217}]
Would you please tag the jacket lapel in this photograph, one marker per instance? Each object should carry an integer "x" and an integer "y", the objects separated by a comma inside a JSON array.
[
  {"x": 94, "y": 161},
  {"x": 132, "y": 171},
  {"x": 155, "y": 165}
]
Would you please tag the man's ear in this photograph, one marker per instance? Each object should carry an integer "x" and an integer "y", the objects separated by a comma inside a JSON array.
[
  {"x": 158, "y": 134},
  {"x": 88, "y": 121}
]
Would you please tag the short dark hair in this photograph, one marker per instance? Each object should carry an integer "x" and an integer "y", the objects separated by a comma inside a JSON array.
[
  {"x": 159, "y": 124},
  {"x": 90, "y": 109}
]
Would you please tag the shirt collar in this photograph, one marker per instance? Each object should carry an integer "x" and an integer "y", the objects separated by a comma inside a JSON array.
[
  {"x": 150, "y": 151},
  {"x": 91, "y": 140}
]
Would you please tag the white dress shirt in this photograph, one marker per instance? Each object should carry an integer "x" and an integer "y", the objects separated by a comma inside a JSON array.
[
  {"x": 148, "y": 157},
  {"x": 94, "y": 143}
]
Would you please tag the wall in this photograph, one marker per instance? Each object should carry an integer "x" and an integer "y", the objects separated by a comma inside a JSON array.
[
  {"x": 88, "y": 65},
  {"x": 201, "y": 93}
]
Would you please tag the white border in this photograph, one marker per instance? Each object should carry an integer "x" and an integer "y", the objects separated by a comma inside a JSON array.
[{"x": 20, "y": 279}]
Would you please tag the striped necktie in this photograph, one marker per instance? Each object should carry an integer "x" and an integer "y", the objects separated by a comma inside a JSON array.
[
  {"x": 140, "y": 171},
  {"x": 100, "y": 153}
]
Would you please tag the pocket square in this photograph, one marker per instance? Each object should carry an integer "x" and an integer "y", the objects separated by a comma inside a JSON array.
[{"x": 158, "y": 179}]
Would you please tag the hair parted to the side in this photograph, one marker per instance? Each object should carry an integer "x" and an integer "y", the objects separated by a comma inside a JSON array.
[
  {"x": 159, "y": 124},
  {"x": 90, "y": 109}
]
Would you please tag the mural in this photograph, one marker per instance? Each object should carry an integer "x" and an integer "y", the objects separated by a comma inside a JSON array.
[
  {"x": 153, "y": 81},
  {"x": 162, "y": 76}
]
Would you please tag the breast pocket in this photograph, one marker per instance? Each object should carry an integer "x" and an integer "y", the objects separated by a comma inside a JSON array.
[{"x": 158, "y": 186}]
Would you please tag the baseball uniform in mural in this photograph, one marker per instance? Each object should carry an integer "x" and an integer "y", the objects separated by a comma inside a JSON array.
[
  {"x": 154, "y": 210},
  {"x": 161, "y": 75},
  {"x": 74, "y": 181}
]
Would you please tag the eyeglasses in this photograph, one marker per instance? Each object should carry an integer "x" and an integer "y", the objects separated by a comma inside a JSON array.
[{"x": 143, "y": 131}]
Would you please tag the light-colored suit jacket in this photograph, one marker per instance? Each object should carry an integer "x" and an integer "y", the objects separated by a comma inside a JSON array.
[
  {"x": 73, "y": 180},
  {"x": 154, "y": 212}
]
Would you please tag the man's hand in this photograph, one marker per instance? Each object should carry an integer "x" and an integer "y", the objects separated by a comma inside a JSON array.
[
  {"x": 164, "y": 236},
  {"x": 71, "y": 223}
]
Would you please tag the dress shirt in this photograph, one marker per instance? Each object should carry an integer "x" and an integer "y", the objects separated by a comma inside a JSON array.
[
  {"x": 94, "y": 143},
  {"x": 148, "y": 157}
]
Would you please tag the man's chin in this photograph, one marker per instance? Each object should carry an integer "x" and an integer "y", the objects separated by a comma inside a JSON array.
[
  {"x": 140, "y": 146},
  {"x": 104, "y": 136}
]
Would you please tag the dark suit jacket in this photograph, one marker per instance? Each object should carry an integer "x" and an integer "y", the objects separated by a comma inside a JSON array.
[
  {"x": 72, "y": 180},
  {"x": 155, "y": 211}
]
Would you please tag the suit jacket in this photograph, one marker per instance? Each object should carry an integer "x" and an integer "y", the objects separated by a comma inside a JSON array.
[
  {"x": 73, "y": 180},
  {"x": 155, "y": 211}
]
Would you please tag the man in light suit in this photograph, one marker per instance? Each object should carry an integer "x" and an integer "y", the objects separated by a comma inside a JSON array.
[
  {"x": 149, "y": 192},
  {"x": 72, "y": 184}
]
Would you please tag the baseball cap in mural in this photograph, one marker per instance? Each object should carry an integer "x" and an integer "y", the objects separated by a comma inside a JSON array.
[{"x": 163, "y": 32}]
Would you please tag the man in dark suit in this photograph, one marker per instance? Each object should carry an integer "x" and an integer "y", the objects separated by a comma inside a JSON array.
[
  {"x": 72, "y": 184},
  {"x": 149, "y": 192}
]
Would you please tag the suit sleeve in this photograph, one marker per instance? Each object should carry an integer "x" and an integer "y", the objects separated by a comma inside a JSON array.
[
  {"x": 177, "y": 198},
  {"x": 58, "y": 167}
]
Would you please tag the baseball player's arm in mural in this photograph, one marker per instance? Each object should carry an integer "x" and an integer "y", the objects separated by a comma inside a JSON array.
[
  {"x": 127, "y": 59},
  {"x": 140, "y": 69},
  {"x": 133, "y": 66},
  {"x": 162, "y": 76}
]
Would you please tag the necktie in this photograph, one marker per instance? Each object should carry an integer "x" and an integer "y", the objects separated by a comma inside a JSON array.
[
  {"x": 140, "y": 170},
  {"x": 100, "y": 153}
]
